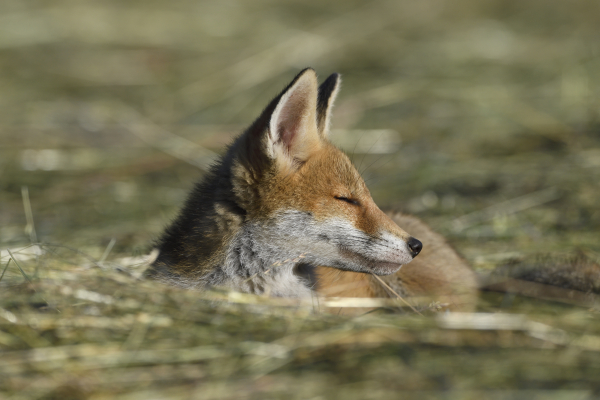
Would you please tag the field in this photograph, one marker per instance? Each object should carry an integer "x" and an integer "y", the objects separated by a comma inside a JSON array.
[{"x": 481, "y": 118}]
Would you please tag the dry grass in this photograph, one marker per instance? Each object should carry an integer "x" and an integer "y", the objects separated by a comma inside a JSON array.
[
  {"x": 87, "y": 331},
  {"x": 479, "y": 117}
]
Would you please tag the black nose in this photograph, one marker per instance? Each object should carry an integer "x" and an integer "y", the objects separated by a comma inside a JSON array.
[{"x": 415, "y": 246}]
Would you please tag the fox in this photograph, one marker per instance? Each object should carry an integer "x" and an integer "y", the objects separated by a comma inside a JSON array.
[{"x": 285, "y": 213}]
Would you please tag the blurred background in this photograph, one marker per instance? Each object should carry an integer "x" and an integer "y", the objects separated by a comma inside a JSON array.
[{"x": 482, "y": 118}]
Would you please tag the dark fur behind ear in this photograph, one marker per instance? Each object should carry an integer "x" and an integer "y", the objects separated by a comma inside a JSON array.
[{"x": 327, "y": 93}]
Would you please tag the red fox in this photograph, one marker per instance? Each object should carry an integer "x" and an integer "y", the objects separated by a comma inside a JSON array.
[{"x": 285, "y": 213}]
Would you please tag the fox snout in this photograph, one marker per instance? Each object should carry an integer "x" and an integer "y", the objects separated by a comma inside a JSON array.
[
  {"x": 387, "y": 252},
  {"x": 394, "y": 245}
]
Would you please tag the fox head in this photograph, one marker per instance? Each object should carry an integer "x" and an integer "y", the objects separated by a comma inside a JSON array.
[{"x": 303, "y": 196}]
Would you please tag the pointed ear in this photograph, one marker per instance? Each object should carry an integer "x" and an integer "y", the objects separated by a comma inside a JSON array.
[
  {"x": 292, "y": 134},
  {"x": 327, "y": 93}
]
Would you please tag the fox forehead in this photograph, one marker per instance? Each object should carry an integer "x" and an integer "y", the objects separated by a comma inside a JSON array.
[
  {"x": 333, "y": 171},
  {"x": 326, "y": 171}
]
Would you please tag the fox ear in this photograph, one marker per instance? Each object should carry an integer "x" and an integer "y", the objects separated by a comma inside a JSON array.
[
  {"x": 292, "y": 134},
  {"x": 327, "y": 93}
]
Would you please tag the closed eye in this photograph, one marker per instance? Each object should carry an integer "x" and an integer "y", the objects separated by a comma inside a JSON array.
[{"x": 348, "y": 200}]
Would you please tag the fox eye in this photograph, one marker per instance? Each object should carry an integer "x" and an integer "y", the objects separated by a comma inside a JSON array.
[{"x": 347, "y": 200}]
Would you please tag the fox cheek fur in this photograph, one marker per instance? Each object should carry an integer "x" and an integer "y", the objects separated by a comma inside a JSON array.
[{"x": 282, "y": 196}]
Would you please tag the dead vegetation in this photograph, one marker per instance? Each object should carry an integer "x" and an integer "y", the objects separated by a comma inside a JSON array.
[
  {"x": 100, "y": 332},
  {"x": 479, "y": 117}
]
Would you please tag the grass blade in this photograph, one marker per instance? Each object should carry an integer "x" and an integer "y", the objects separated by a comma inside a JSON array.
[
  {"x": 4, "y": 270},
  {"x": 18, "y": 266}
]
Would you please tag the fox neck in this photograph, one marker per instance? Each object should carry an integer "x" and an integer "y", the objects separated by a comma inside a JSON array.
[{"x": 253, "y": 264}]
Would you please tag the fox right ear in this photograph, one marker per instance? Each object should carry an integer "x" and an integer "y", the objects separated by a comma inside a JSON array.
[{"x": 327, "y": 93}]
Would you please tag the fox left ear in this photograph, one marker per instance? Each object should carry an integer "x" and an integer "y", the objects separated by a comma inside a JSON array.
[
  {"x": 293, "y": 134},
  {"x": 327, "y": 93}
]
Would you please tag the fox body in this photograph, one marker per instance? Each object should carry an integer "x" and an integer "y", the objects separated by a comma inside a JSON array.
[{"x": 285, "y": 213}]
